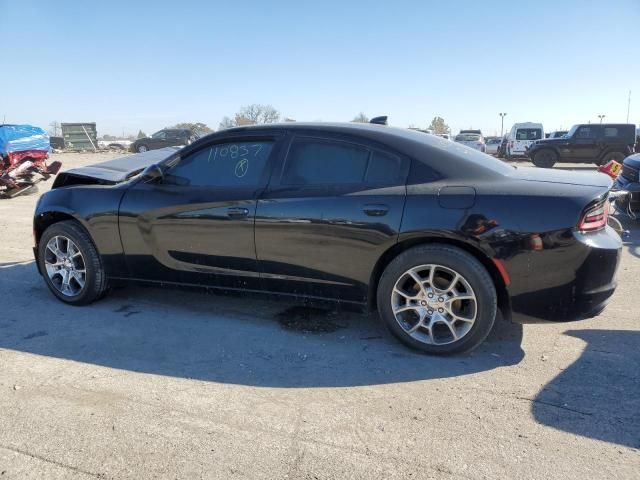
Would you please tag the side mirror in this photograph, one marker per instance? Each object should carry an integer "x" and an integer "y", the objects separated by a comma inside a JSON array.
[{"x": 153, "y": 173}]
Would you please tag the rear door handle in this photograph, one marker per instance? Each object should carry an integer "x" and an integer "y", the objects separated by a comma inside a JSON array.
[
  {"x": 375, "y": 210},
  {"x": 238, "y": 212}
]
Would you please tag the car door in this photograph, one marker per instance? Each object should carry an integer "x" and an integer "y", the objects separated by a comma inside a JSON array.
[
  {"x": 158, "y": 140},
  {"x": 584, "y": 145},
  {"x": 333, "y": 206},
  {"x": 196, "y": 224}
]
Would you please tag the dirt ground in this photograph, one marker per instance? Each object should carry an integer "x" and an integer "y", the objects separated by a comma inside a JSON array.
[{"x": 158, "y": 383}]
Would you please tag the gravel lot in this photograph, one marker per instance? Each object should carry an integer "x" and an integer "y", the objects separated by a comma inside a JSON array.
[{"x": 153, "y": 383}]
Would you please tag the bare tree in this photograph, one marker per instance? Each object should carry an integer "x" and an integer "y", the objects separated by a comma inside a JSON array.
[
  {"x": 198, "y": 128},
  {"x": 251, "y": 115},
  {"x": 257, "y": 113},
  {"x": 55, "y": 128},
  {"x": 361, "y": 118},
  {"x": 225, "y": 123}
]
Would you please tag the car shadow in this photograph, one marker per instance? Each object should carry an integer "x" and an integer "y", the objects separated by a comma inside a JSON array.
[
  {"x": 598, "y": 396},
  {"x": 239, "y": 339}
]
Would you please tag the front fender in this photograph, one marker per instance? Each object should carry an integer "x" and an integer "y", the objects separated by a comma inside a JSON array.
[{"x": 95, "y": 207}]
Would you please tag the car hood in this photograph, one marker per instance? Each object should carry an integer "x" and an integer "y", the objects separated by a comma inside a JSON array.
[
  {"x": 548, "y": 175},
  {"x": 550, "y": 141},
  {"x": 632, "y": 160},
  {"x": 119, "y": 169}
]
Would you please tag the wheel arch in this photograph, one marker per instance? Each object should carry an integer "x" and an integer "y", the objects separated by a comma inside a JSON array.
[
  {"x": 504, "y": 302},
  {"x": 44, "y": 220}
]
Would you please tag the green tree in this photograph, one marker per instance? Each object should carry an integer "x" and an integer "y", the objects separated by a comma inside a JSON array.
[
  {"x": 141, "y": 134},
  {"x": 361, "y": 118},
  {"x": 438, "y": 126}
]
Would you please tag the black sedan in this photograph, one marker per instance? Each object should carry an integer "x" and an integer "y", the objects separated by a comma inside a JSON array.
[
  {"x": 167, "y": 137},
  {"x": 436, "y": 236}
]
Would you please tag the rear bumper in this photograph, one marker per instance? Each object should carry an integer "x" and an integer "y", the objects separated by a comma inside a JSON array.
[{"x": 570, "y": 282}]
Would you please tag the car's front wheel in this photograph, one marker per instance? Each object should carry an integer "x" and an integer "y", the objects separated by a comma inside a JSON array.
[
  {"x": 70, "y": 264},
  {"x": 545, "y": 158},
  {"x": 142, "y": 148},
  {"x": 438, "y": 299}
]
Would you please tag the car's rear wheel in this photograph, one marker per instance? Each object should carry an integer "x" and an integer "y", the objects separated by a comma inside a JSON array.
[
  {"x": 142, "y": 148},
  {"x": 545, "y": 158},
  {"x": 70, "y": 264},
  {"x": 617, "y": 156},
  {"x": 438, "y": 299}
]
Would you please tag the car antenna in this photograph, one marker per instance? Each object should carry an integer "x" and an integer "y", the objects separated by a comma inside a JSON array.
[{"x": 382, "y": 120}]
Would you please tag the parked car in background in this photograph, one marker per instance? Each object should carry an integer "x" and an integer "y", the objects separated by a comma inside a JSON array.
[
  {"x": 167, "y": 137},
  {"x": 477, "y": 132},
  {"x": 444, "y": 135},
  {"x": 473, "y": 140},
  {"x": 492, "y": 144},
  {"x": 118, "y": 144},
  {"x": 435, "y": 236},
  {"x": 586, "y": 143},
  {"x": 629, "y": 180},
  {"x": 556, "y": 134},
  {"x": 521, "y": 137},
  {"x": 57, "y": 143},
  {"x": 502, "y": 148}
]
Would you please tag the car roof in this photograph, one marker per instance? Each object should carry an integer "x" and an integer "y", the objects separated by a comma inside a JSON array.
[{"x": 449, "y": 158}]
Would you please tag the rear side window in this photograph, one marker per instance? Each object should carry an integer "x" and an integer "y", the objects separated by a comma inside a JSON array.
[
  {"x": 611, "y": 132},
  {"x": 528, "y": 134},
  {"x": 384, "y": 168},
  {"x": 233, "y": 164},
  {"x": 320, "y": 162}
]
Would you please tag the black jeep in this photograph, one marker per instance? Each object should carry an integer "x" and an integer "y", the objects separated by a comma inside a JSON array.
[{"x": 586, "y": 143}]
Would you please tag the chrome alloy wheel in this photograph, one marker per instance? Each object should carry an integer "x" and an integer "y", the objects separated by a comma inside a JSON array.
[
  {"x": 434, "y": 304},
  {"x": 65, "y": 266}
]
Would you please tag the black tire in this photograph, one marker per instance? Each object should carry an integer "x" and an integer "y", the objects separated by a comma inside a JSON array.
[
  {"x": 617, "y": 156},
  {"x": 545, "y": 158},
  {"x": 459, "y": 261},
  {"x": 95, "y": 279},
  {"x": 142, "y": 148}
]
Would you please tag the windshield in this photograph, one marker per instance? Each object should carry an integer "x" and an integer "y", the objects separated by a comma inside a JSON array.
[
  {"x": 467, "y": 137},
  {"x": 572, "y": 131}
]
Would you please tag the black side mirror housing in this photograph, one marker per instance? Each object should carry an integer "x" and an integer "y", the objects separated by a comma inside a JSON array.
[{"x": 153, "y": 173}]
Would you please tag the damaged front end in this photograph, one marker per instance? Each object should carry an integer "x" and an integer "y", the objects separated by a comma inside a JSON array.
[{"x": 21, "y": 171}]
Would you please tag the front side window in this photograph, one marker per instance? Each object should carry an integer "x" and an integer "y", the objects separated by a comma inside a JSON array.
[
  {"x": 586, "y": 132},
  {"x": 230, "y": 164},
  {"x": 161, "y": 135}
]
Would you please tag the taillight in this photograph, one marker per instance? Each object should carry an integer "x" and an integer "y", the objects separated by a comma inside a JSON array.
[{"x": 595, "y": 218}]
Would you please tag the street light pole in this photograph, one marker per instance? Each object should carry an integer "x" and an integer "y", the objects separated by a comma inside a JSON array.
[
  {"x": 601, "y": 117},
  {"x": 502, "y": 115}
]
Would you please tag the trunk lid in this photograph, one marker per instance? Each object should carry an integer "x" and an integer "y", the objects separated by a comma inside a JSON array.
[{"x": 548, "y": 175}]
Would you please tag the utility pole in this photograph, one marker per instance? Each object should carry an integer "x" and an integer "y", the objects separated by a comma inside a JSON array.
[
  {"x": 601, "y": 117},
  {"x": 628, "y": 106},
  {"x": 502, "y": 115}
]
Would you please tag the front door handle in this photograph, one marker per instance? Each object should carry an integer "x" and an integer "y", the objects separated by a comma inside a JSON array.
[
  {"x": 376, "y": 210},
  {"x": 237, "y": 212}
]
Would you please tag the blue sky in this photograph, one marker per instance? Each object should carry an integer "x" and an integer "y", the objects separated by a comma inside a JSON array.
[{"x": 131, "y": 65}]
